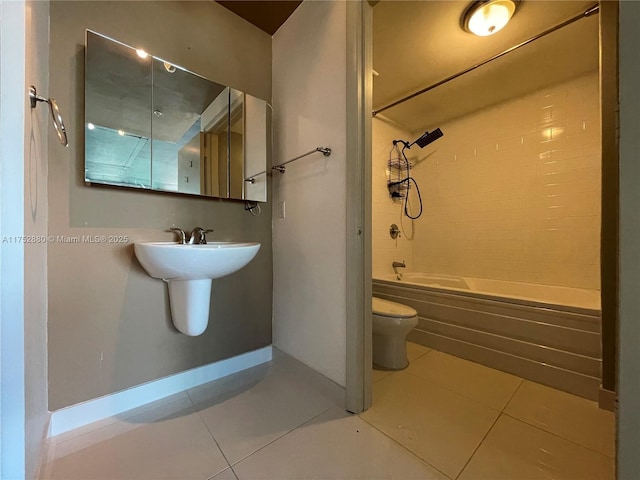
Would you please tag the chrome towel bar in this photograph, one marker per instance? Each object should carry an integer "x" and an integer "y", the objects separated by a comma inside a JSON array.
[{"x": 326, "y": 151}]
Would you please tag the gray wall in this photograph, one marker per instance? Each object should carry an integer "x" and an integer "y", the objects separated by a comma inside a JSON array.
[
  {"x": 628, "y": 459},
  {"x": 109, "y": 323}
]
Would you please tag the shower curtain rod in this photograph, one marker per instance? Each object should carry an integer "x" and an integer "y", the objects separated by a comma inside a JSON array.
[{"x": 587, "y": 13}]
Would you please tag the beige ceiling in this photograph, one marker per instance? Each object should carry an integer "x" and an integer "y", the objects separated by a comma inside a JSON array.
[{"x": 418, "y": 43}]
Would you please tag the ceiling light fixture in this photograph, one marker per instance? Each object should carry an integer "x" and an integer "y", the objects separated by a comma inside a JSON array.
[
  {"x": 487, "y": 17},
  {"x": 141, "y": 53}
]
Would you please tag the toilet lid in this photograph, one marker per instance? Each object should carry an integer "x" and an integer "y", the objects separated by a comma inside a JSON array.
[{"x": 391, "y": 309}]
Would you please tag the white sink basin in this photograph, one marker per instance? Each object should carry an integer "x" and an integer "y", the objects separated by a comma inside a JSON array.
[
  {"x": 188, "y": 270},
  {"x": 170, "y": 260}
]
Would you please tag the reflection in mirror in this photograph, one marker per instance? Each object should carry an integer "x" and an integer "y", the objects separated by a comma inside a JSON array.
[
  {"x": 255, "y": 146},
  {"x": 117, "y": 114},
  {"x": 179, "y": 100},
  {"x": 236, "y": 143},
  {"x": 213, "y": 147},
  {"x": 152, "y": 124}
]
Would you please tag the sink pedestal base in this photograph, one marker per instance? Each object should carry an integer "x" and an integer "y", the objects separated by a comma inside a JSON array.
[{"x": 189, "y": 300}]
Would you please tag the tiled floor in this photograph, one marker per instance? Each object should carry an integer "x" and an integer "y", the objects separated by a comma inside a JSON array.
[
  {"x": 440, "y": 418},
  {"x": 473, "y": 422}
]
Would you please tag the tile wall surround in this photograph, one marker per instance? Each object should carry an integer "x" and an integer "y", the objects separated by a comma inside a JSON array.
[
  {"x": 510, "y": 193},
  {"x": 387, "y": 211}
]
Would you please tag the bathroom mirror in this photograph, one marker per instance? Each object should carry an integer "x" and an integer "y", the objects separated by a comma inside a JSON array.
[{"x": 151, "y": 124}]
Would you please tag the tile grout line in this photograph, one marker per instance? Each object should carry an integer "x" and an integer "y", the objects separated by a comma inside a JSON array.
[
  {"x": 557, "y": 435},
  {"x": 479, "y": 445},
  {"x": 217, "y": 445},
  {"x": 212, "y": 436},
  {"x": 279, "y": 437},
  {"x": 229, "y": 468},
  {"x": 512, "y": 395},
  {"x": 423, "y": 353},
  {"x": 545, "y": 430},
  {"x": 403, "y": 447},
  {"x": 448, "y": 389}
]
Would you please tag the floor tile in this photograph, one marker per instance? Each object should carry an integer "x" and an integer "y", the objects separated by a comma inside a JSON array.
[
  {"x": 227, "y": 474},
  {"x": 415, "y": 350},
  {"x": 282, "y": 420},
  {"x": 176, "y": 446},
  {"x": 516, "y": 450},
  {"x": 247, "y": 411},
  {"x": 335, "y": 445},
  {"x": 92, "y": 434},
  {"x": 378, "y": 374},
  {"x": 441, "y": 426},
  {"x": 488, "y": 386},
  {"x": 566, "y": 415}
]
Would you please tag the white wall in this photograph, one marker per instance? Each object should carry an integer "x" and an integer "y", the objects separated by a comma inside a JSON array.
[
  {"x": 511, "y": 192},
  {"x": 309, "y": 105},
  {"x": 12, "y": 117},
  {"x": 23, "y": 212},
  {"x": 38, "y": 132}
]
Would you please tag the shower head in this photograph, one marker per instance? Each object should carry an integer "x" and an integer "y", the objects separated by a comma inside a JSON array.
[{"x": 427, "y": 137}]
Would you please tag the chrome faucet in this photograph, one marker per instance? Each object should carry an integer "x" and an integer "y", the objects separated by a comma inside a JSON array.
[
  {"x": 396, "y": 266},
  {"x": 198, "y": 236},
  {"x": 182, "y": 237}
]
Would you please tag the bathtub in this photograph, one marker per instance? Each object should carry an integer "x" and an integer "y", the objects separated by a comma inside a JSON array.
[{"x": 546, "y": 334}]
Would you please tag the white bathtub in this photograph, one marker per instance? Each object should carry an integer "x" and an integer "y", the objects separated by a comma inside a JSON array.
[
  {"x": 519, "y": 292},
  {"x": 546, "y": 334}
]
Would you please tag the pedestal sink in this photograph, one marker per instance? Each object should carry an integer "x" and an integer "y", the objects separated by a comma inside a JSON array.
[{"x": 188, "y": 270}]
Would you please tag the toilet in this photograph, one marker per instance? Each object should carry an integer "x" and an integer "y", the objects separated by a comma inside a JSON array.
[{"x": 392, "y": 322}]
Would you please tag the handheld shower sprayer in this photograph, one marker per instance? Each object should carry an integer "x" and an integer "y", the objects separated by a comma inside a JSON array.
[{"x": 422, "y": 141}]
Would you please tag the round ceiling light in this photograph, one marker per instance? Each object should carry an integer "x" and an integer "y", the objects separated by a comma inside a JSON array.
[{"x": 487, "y": 17}]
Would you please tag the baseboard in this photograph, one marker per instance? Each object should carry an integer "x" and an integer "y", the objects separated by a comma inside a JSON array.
[
  {"x": 569, "y": 381},
  {"x": 82, "y": 414},
  {"x": 607, "y": 400}
]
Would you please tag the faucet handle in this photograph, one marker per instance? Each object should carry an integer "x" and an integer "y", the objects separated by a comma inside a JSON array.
[
  {"x": 201, "y": 233},
  {"x": 181, "y": 234}
]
